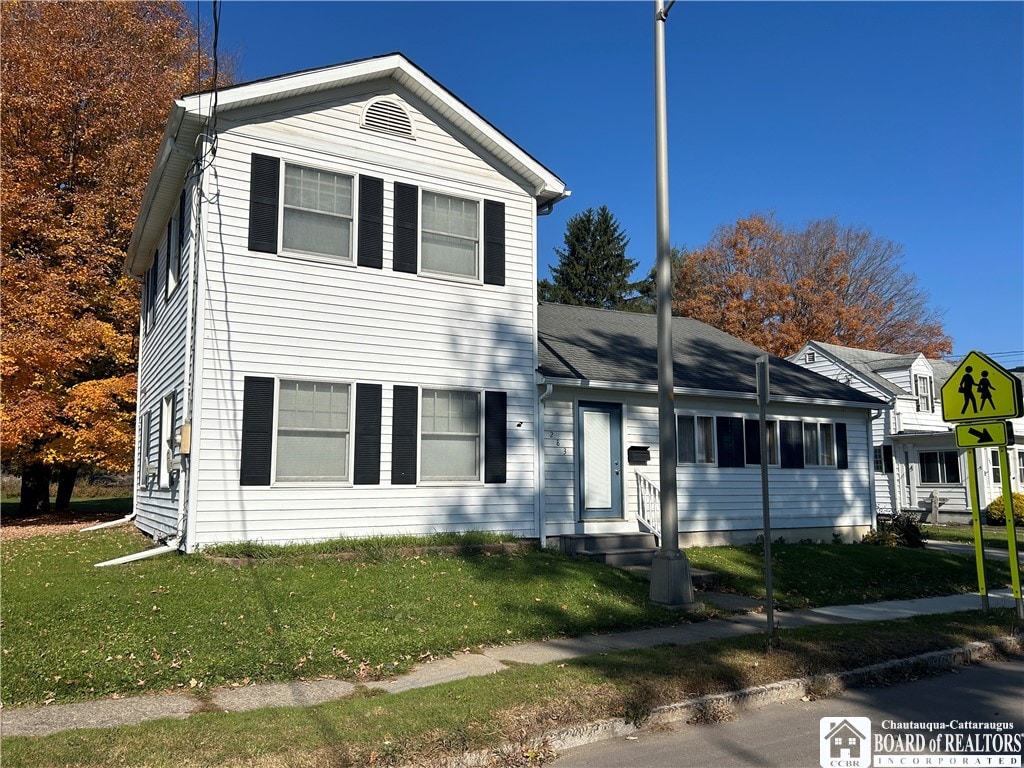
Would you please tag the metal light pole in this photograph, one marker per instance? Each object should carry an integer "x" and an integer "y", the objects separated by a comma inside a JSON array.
[{"x": 670, "y": 572}]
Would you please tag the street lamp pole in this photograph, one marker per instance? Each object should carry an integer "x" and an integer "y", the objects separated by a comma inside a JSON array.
[{"x": 671, "y": 584}]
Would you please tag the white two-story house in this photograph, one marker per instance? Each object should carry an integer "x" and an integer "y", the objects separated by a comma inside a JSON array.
[
  {"x": 917, "y": 464},
  {"x": 340, "y": 335}
]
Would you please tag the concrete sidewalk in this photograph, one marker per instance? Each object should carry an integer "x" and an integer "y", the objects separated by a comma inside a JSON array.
[{"x": 105, "y": 713}]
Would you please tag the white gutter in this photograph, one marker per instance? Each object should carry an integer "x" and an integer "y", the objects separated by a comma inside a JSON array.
[
  {"x": 709, "y": 393},
  {"x": 170, "y": 546},
  {"x": 539, "y": 451}
]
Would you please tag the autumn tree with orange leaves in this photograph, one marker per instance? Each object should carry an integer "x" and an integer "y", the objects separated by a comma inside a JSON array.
[
  {"x": 86, "y": 90},
  {"x": 778, "y": 288}
]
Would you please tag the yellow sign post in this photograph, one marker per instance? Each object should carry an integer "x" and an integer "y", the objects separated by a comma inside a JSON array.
[{"x": 978, "y": 392}]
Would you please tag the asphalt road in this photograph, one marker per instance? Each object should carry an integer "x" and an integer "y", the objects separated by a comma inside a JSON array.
[{"x": 788, "y": 735}]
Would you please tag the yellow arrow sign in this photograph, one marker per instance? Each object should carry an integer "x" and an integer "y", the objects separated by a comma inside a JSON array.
[
  {"x": 987, "y": 434},
  {"x": 981, "y": 390}
]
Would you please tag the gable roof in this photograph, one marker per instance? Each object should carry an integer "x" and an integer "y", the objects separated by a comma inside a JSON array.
[
  {"x": 866, "y": 362},
  {"x": 189, "y": 116},
  {"x": 579, "y": 344}
]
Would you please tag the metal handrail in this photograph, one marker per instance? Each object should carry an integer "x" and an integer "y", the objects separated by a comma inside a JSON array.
[{"x": 649, "y": 506}]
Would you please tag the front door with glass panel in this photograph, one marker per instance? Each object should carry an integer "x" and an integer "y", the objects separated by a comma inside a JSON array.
[{"x": 600, "y": 455}]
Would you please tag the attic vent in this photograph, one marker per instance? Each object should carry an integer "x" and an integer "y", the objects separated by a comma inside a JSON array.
[
  {"x": 388, "y": 117},
  {"x": 809, "y": 357}
]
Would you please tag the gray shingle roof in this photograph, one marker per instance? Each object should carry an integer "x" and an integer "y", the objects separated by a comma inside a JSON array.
[{"x": 621, "y": 347}]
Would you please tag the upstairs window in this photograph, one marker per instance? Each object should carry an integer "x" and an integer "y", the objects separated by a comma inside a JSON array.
[
  {"x": 923, "y": 392},
  {"x": 450, "y": 235},
  {"x": 317, "y": 213}
]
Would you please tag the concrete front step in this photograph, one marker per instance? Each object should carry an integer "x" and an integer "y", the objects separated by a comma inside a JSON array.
[
  {"x": 619, "y": 557},
  {"x": 602, "y": 542}
]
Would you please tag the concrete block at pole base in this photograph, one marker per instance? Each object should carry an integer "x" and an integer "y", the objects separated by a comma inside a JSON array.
[{"x": 671, "y": 584}]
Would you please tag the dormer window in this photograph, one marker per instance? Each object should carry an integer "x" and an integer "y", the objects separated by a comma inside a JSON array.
[
  {"x": 387, "y": 116},
  {"x": 923, "y": 390}
]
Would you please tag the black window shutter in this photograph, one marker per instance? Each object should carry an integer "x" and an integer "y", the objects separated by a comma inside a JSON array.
[
  {"x": 791, "y": 437},
  {"x": 495, "y": 437},
  {"x": 752, "y": 438},
  {"x": 842, "y": 455},
  {"x": 406, "y": 236},
  {"x": 264, "y": 186},
  {"x": 257, "y": 430},
  {"x": 729, "y": 431},
  {"x": 494, "y": 242},
  {"x": 403, "y": 435},
  {"x": 371, "y": 222},
  {"x": 366, "y": 466},
  {"x": 887, "y": 459}
]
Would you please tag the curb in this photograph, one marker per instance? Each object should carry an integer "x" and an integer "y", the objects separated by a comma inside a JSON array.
[{"x": 549, "y": 745}]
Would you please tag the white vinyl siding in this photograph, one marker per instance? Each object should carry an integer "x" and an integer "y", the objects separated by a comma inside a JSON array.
[
  {"x": 450, "y": 235},
  {"x": 714, "y": 501},
  {"x": 162, "y": 360},
  {"x": 313, "y": 431},
  {"x": 293, "y": 319},
  {"x": 450, "y": 435},
  {"x": 317, "y": 217}
]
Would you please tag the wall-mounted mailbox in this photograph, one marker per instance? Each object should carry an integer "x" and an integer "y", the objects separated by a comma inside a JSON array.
[{"x": 638, "y": 454}]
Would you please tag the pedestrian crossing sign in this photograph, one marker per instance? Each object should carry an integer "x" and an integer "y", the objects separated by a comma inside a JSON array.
[{"x": 981, "y": 390}]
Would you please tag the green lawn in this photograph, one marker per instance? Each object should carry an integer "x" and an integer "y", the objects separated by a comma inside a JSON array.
[
  {"x": 809, "y": 575},
  {"x": 505, "y": 711},
  {"x": 72, "y": 631},
  {"x": 994, "y": 536}
]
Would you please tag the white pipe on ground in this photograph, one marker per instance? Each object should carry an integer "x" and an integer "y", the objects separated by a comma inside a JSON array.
[
  {"x": 170, "y": 546},
  {"x": 110, "y": 523}
]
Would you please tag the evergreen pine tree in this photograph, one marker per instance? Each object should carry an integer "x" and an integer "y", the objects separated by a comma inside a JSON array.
[{"x": 593, "y": 270}]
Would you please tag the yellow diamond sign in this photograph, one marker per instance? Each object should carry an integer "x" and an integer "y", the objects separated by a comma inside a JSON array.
[{"x": 981, "y": 390}]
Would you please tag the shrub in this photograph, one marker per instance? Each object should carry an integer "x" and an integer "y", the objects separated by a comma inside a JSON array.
[
  {"x": 996, "y": 511},
  {"x": 900, "y": 531}
]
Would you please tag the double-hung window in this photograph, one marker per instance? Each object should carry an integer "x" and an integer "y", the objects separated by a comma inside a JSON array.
[
  {"x": 313, "y": 431},
  {"x": 940, "y": 467},
  {"x": 450, "y": 435},
  {"x": 450, "y": 228},
  {"x": 997, "y": 470},
  {"x": 317, "y": 216},
  {"x": 923, "y": 391},
  {"x": 819, "y": 445},
  {"x": 1020, "y": 466},
  {"x": 696, "y": 439}
]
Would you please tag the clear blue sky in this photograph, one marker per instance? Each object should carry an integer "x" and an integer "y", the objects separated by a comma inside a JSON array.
[{"x": 905, "y": 118}]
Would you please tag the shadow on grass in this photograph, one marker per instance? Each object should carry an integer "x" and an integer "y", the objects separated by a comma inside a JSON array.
[{"x": 112, "y": 507}]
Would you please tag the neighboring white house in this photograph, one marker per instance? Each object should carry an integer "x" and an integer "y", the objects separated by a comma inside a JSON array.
[
  {"x": 339, "y": 336},
  {"x": 916, "y": 460}
]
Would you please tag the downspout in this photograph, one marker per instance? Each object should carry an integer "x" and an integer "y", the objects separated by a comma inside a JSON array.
[{"x": 541, "y": 490}]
